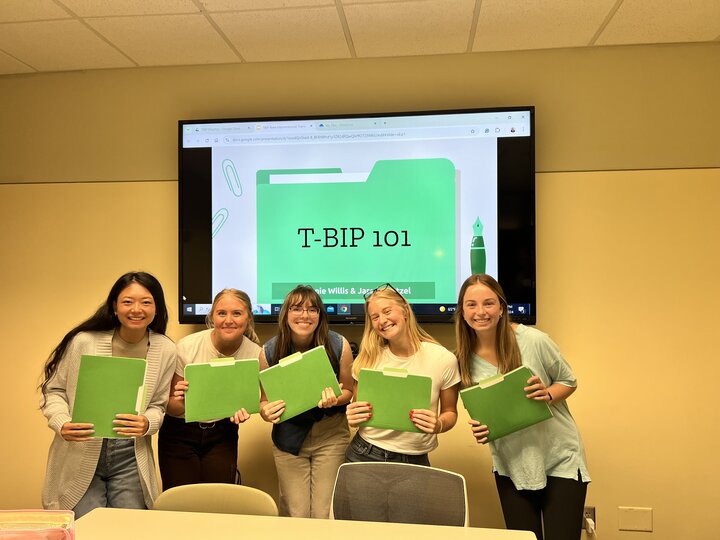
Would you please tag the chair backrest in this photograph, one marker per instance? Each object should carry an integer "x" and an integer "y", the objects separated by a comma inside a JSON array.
[
  {"x": 399, "y": 493},
  {"x": 217, "y": 499}
]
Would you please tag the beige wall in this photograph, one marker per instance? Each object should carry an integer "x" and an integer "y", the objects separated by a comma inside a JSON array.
[{"x": 627, "y": 259}]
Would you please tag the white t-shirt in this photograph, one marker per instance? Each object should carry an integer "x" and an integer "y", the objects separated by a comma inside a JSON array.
[{"x": 441, "y": 366}]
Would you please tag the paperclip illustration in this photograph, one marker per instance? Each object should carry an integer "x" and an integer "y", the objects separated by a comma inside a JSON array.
[
  {"x": 231, "y": 177},
  {"x": 219, "y": 220}
]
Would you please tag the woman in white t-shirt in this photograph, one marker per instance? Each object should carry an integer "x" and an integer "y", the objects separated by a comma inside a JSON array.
[
  {"x": 198, "y": 452},
  {"x": 392, "y": 338}
]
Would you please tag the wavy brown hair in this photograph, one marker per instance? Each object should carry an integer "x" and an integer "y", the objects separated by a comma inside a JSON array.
[{"x": 297, "y": 297}]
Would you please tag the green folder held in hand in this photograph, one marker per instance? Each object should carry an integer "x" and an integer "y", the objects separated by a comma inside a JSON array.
[
  {"x": 499, "y": 402},
  {"x": 106, "y": 386},
  {"x": 299, "y": 380},
  {"x": 220, "y": 388},
  {"x": 393, "y": 393}
]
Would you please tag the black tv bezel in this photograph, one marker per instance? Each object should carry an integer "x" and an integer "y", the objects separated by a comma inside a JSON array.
[{"x": 516, "y": 217}]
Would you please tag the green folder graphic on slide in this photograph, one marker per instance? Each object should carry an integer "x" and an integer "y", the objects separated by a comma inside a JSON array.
[{"x": 305, "y": 220}]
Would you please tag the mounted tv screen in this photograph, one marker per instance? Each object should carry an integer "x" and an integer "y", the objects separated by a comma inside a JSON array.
[{"x": 347, "y": 203}]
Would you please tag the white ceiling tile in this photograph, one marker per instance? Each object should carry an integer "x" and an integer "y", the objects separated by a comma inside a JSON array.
[
  {"x": 538, "y": 24},
  {"x": 59, "y": 46},
  {"x": 640, "y": 21},
  {"x": 292, "y": 34},
  {"x": 89, "y": 34},
  {"x": 245, "y": 5},
  {"x": 30, "y": 10},
  {"x": 111, "y": 8},
  {"x": 410, "y": 28},
  {"x": 9, "y": 66},
  {"x": 162, "y": 40}
]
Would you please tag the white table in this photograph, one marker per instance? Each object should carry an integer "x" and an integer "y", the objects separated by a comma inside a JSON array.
[{"x": 121, "y": 524}]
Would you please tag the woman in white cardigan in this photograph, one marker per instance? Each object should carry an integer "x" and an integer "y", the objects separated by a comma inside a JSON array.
[{"x": 83, "y": 472}]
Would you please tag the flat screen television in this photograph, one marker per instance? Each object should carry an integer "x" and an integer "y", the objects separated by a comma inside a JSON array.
[{"x": 346, "y": 203}]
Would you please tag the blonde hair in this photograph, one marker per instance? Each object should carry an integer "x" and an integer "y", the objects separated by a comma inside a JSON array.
[
  {"x": 506, "y": 347},
  {"x": 243, "y": 298},
  {"x": 372, "y": 345}
]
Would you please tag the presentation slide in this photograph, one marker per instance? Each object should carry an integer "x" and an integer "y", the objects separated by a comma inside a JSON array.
[{"x": 346, "y": 214}]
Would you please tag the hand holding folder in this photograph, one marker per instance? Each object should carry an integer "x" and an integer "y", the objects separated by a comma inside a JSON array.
[
  {"x": 219, "y": 388},
  {"x": 108, "y": 386},
  {"x": 393, "y": 393},
  {"x": 500, "y": 403},
  {"x": 299, "y": 381}
]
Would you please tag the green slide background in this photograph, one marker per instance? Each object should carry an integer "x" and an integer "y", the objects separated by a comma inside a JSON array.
[{"x": 414, "y": 195}]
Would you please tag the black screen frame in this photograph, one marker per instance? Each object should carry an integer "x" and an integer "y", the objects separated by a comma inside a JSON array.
[{"x": 516, "y": 219}]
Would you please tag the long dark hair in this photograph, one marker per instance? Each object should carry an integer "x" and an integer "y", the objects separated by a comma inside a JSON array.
[
  {"x": 105, "y": 318},
  {"x": 297, "y": 297}
]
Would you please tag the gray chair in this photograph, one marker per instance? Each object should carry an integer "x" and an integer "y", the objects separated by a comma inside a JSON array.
[
  {"x": 399, "y": 493},
  {"x": 217, "y": 499}
]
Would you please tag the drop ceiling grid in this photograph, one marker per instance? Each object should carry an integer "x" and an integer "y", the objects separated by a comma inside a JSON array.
[
  {"x": 166, "y": 39},
  {"x": 313, "y": 33},
  {"x": 60, "y": 35}
]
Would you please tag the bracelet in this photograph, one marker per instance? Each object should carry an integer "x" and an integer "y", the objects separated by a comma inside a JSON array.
[
  {"x": 551, "y": 398},
  {"x": 441, "y": 425}
]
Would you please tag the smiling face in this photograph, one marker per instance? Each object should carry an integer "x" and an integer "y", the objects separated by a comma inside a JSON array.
[
  {"x": 303, "y": 318},
  {"x": 387, "y": 317},
  {"x": 135, "y": 309},
  {"x": 230, "y": 318},
  {"x": 481, "y": 308}
]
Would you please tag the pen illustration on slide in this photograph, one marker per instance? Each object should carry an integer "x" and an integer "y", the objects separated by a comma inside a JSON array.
[{"x": 478, "y": 257}]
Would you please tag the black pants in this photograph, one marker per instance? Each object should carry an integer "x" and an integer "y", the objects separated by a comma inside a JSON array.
[
  {"x": 197, "y": 452},
  {"x": 557, "y": 509}
]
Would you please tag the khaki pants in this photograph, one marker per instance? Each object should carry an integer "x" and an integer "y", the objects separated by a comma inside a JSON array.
[{"x": 306, "y": 480}]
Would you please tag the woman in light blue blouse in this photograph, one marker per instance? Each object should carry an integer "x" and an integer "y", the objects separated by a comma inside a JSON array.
[{"x": 540, "y": 472}]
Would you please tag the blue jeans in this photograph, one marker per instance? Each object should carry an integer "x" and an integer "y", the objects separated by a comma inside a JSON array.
[
  {"x": 361, "y": 450},
  {"x": 116, "y": 483}
]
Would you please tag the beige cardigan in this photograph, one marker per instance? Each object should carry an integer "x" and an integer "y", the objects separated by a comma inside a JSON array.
[{"x": 71, "y": 465}]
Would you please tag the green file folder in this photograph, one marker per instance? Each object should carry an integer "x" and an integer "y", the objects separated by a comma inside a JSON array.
[
  {"x": 299, "y": 381},
  {"x": 403, "y": 216},
  {"x": 392, "y": 394},
  {"x": 220, "y": 388},
  {"x": 499, "y": 402},
  {"x": 106, "y": 386}
]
